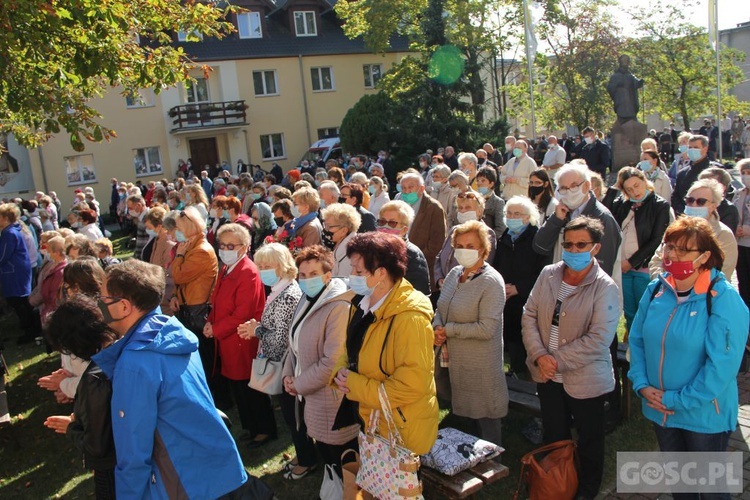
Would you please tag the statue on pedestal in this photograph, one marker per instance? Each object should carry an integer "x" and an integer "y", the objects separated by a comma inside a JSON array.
[{"x": 623, "y": 88}]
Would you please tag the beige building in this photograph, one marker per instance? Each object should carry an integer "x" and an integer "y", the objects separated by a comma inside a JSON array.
[{"x": 284, "y": 80}]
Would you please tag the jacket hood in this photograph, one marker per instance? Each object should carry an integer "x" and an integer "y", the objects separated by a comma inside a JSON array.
[
  {"x": 405, "y": 298},
  {"x": 154, "y": 332}
]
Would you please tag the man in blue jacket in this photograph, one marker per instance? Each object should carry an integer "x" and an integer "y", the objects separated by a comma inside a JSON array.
[{"x": 170, "y": 440}]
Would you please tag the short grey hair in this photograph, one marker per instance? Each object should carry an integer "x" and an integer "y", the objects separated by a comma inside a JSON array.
[
  {"x": 717, "y": 173},
  {"x": 717, "y": 192},
  {"x": 470, "y": 157},
  {"x": 240, "y": 231},
  {"x": 378, "y": 166},
  {"x": 330, "y": 186},
  {"x": 458, "y": 176},
  {"x": 443, "y": 170},
  {"x": 579, "y": 168},
  {"x": 409, "y": 176},
  {"x": 404, "y": 210},
  {"x": 529, "y": 207},
  {"x": 344, "y": 214},
  {"x": 702, "y": 138},
  {"x": 358, "y": 178},
  {"x": 276, "y": 254}
]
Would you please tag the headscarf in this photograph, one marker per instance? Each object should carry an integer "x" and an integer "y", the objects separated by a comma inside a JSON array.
[{"x": 265, "y": 216}]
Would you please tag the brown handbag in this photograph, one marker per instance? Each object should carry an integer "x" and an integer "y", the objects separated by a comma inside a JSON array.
[{"x": 552, "y": 476}]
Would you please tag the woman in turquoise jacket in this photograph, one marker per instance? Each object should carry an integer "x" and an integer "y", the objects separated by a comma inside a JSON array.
[{"x": 686, "y": 343}]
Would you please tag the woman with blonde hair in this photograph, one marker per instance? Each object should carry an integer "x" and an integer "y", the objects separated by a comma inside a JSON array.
[
  {"x": 341, "y": 222},
  {"x": 194, "y": 271},
  {"x": 468, "y": 326},
  {"x": 195, "y": 196},
  {"x": 305, "y": 224}
]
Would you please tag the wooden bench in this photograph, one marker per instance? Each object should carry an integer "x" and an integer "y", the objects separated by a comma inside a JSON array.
[
  {"x": 522, "y": 395},
  {"x": 464, "y": 484}
]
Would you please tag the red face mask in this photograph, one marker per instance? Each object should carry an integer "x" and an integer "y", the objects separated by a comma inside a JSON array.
[{"x": 680, "y": 270}]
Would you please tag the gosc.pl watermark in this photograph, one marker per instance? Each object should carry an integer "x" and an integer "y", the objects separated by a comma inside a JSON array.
[{"x": 679, "y": 472}]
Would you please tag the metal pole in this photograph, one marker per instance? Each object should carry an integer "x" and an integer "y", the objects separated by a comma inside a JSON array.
[
  {"x": 527, "y": 27},
  {"x": 718, "y": 79}
]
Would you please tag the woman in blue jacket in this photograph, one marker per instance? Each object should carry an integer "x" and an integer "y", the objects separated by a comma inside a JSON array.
[
  {"x": 686, "y": 343},
  {"x": 15, "y": 271}
]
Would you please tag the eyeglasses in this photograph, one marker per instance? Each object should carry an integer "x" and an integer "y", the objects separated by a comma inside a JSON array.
[
  {"x": 468, "y": 194},
  {"x": 393, "y": 224},
  {"x": 515, "y": 215},
  {"x": 229, "y": 246},
  {"x": 112, "y": 299},
  {"x": 679, "y": 251},
  {"x": 332, "y": 226},
  {"x": 698, "y": 202},
  {"x": 567, "y": 245},
  {"x": 564, "y": 190}
]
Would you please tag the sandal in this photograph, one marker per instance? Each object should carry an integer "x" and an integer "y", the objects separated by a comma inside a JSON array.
[
  {"x": 293, "y": 476},
  {"x": 291, "y": 464}
]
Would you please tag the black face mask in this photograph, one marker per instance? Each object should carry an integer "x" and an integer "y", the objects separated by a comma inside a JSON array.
[
  {"x": 279, "y": 221},
  {"x": 328, "y": 239},
  {"x": 104, "y": 308},
  {"x": 535, "y": 191},
  {"x": 342, "y": 199}
]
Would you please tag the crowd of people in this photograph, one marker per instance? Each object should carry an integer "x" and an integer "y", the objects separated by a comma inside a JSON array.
[{"x": 346, "y": 276}]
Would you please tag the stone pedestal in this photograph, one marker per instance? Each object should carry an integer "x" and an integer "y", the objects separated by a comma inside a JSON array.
[{"x": 626, "y": 143}]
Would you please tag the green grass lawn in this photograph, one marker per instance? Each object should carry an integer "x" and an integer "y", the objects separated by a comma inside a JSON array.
[{"x": 37, "y": 463}]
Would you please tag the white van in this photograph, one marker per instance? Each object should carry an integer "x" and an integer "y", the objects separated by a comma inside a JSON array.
[{"x": 324, "y": 149}]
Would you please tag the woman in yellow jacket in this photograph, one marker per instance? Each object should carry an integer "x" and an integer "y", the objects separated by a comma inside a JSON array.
[{"x": 389, "y": 341}]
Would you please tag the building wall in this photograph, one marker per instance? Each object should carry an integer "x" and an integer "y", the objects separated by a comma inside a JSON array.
[{"x": 151, "y": 126}]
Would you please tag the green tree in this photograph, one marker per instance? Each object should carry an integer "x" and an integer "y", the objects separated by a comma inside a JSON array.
[
  {"x": 55, "y": 57},
  {"x": 584, "y": 43},
  {"x": 679, "y": 66}
]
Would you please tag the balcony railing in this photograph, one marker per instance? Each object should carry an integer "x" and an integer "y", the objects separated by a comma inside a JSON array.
[{"x": 208, "y": 114}]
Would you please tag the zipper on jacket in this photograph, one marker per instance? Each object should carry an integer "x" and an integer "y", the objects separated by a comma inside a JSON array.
[
  {"x": 401, "y": 414},
  {"x": 661, "y": 360},
  {"x": 716, "y": 404}
]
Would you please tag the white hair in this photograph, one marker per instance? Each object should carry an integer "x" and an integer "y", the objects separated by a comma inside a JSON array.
[
  {"x": 443, "y": 170},
  {"x": 378, "y": 166},
  {"x": 579, "y": 168},
  {"x": 411, "y": 175},
  {"x": 717, "y": 191},
  {"x": 471, "y": 157},
  {"x": 404, "y": 210},
  {"x": 330, "y": 186},
  {"x": 529, "y": 207},
  {"x": 358, "y": 178}
]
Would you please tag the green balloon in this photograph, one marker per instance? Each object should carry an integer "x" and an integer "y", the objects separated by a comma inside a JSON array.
[{"x": 446, "y": 65}]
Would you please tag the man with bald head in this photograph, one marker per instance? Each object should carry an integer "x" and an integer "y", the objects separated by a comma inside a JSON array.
[
  {"x": 493, "y": 155},
  {"x": 554, "y": 158}
]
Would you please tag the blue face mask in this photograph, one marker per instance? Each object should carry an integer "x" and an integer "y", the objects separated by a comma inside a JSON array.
[
  {"x": 312, "y": 286},
  {"x": 225, "y": 214},
  {"x": 151, "y": 232},
  {"x": 697, "y": 212},
  {"x": 576, "y": 261},
  {"x": 515, "y": 226},
  {"x": 269, "y": 277},
  {"x": 180, "y": 236},
  {"x": 517, "y": 152},
  {"x": 645, "y": 166},
  {"x": 642, "y": 199},
  {"x": 694, "y": 154},
  {"x": 483, "y": 190},
  {"x": 255, "y": 196},
  {"x": 410, "y": 198},
  {"x": 358, "y": 284},
  {"x": 371, "y": 189},
  {"x": 398, "y": 187},
  {"x": 683, "y": 148}
]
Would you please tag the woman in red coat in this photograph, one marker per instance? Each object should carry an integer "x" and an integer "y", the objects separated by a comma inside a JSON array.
[
  {"x": 53, "y": 279},
  {"x": 239, "y": 297}
]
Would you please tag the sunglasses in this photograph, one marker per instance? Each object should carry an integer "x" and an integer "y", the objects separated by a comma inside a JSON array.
[
  {"x": 698, "y": 202},
  {"x": 567, "y": 245},
  {"x": 393, "y": 224}
]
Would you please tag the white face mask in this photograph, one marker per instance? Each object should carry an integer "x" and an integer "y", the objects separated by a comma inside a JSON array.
[
  {"x": 589, "y": 140},
  {"x": 466, "y": 216},
  {"x": 229, "y": 257},
  {"x": 746, "y": 180},
  {"x": 466, "y": 257},
  {"x": 212, "y": 213},
  {"x": 574, "y": 198}
]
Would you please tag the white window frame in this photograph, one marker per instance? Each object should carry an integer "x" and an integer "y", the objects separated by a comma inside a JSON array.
[
  {"x": 145, "y": 99},
  {"x": 265, "y": 93},
  {"x": 76, "y": 163},
  {"x": 304, "y": 15},
  {"x": 250, "y": 16},
  {"x": 143, "y": 154},
  {"x": 182, "y": 36},
  {"x": 318, "y": 72},
  {"x": 368, "y": 69},
  {"x": 277, "y": 156}
]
